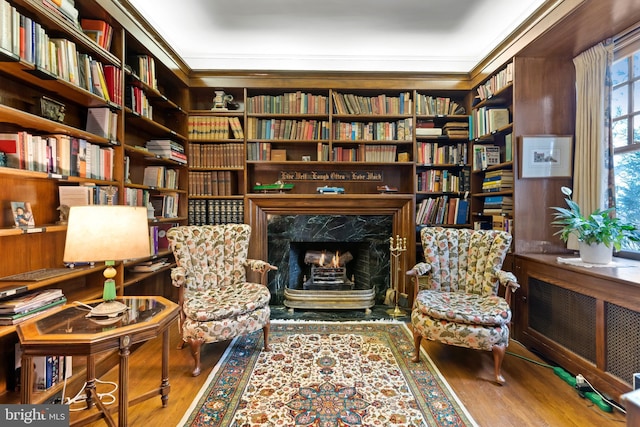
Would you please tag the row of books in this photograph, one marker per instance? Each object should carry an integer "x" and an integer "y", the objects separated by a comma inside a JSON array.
[
  {"x": 436, "y": 180},
  {"x": 25, "y": 38},
  {"x": 136, "y": 99},
  {"x": 158, "y": 176},
  {"x": 497, "y": 82},
  {"x": 496, "y": 222},
  {"x": 228, "y": 155},
  {"x": 57, "y": 154},
  {"x": 485, "y": 155},
  {"x": 443, "y": 210},
  {"x": 97, "y": 30},
  {"x": 215, "y": 211},
  {"x": 288, "y": 103},
  {"x": 144, "y": 67},
  {"x": 486, "y": 120},
  {"x": 85, "y": 194},
  {"x": 65, "y": 9},
  {"x": 136, "y": 197},
  {"x": 287, "y": 129},
  {"x": 48, "y": 370},
  {"x": 380, "y": 153},
  {"x": 102, "y": 121},
  {"x": 401, "y": 130},
  {"x": 349, "y": 103},
  {"x": 214, "y": 128},
  {"x": 158, "y": 237},
  {"x": 437, "y": 106},
  {"x": 433, "y": 153},
  {"x": 17, "y": 309},
  {"x": 165, "y": 205},
  {"x": 211, "y": 183},
  {"x": 168, "y": 149}
]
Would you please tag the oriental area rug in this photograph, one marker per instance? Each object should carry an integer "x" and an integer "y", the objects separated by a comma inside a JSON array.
[{"x": 326, "y": 374}]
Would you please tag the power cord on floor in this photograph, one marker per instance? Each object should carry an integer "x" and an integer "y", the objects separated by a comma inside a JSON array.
[
  {"x": 584, "y": 387},
  {"x": 107, "y": 398}
]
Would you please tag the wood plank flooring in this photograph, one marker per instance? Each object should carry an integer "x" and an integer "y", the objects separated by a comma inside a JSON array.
[{"x": 533, "y": 395}]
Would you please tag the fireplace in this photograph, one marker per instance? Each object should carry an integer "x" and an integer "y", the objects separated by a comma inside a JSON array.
[
  {"x": 286, "y": 228},
  {"x": 296, "y": 244}
]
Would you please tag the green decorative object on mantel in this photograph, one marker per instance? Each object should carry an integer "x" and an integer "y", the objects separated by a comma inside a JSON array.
[{"x": 600, "y": 228}]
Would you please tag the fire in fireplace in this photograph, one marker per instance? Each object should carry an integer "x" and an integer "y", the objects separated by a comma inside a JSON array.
[{"x": 328, "y": 271}]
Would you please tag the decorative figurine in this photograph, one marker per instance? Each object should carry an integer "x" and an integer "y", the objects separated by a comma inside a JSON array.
[
  {"x": 221, "y": 100},
  {"x": 64, "y": 214}
]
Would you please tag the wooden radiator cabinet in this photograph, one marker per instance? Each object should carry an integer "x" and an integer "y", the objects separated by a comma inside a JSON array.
[{"x": 582, "y": 319}]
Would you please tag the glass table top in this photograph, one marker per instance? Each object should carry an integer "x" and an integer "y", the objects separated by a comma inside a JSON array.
[{"x": 74, "y": 320}]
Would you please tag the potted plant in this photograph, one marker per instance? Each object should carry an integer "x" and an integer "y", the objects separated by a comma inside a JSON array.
[{"x": 599, "y": 232}]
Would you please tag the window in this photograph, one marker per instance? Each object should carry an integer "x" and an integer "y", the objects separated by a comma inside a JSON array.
[{"x": 625, "y": 134}]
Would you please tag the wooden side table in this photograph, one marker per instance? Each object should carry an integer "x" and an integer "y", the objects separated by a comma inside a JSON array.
[{"x": 68, "y": 332}]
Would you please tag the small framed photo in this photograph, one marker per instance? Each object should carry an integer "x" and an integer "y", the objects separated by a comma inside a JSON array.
[
  {"x": 22, "y": 214},
  {"x": 546, "y": 156}
]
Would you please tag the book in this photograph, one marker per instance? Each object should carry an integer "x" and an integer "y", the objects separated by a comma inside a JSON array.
[
  {"x": 497, "y": 118},
  {"x": 16, "y": 290},
  {"x": 29, "y": 301},
  {"x": 463, "y": 211},
  {"x": 74, "y": 195},
  {"x": 99, "y": 121}
]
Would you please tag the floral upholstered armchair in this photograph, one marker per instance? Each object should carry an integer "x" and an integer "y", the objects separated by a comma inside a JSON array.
[
  {"x": 217, "y": 303},
  {"x": 456, "y": 289}
]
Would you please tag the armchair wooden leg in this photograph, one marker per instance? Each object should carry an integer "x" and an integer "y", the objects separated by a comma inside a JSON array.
[
  {"x": 498, "y": 355},
  {"x": 265, "y": 331},
  {"x": 417, "y": 340},
  {"x": 195, "y": 346}
]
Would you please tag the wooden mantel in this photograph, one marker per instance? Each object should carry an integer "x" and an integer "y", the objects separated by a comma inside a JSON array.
[{"x": 259, "y": 206}]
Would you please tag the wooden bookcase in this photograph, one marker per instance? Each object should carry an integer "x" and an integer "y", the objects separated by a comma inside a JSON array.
[
  {"x": 22, "y": 84},
  {"x": 492, "y": 152}
]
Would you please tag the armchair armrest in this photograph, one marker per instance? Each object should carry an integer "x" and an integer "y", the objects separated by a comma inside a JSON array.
[
  {"x": 178, "y": 276},
  {"x": 418, "y": 270},
  {"x": 261, "y": 267},
  {"x": 510, "y": 282}
]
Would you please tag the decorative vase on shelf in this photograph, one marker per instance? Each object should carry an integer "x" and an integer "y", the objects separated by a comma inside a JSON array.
[{"x": 595, "y": 253}]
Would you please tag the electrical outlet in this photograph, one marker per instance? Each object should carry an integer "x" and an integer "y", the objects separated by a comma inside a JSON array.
[{"x": 636, "y": 381}]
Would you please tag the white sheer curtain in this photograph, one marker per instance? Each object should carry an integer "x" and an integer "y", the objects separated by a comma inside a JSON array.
[{"x": 592, "y": 161}]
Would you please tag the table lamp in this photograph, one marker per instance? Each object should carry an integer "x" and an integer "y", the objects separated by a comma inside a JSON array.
[{"x": 98, "y": 233}]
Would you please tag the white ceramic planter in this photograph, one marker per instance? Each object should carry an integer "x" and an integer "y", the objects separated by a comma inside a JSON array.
[{"x": 595, "y": 253}]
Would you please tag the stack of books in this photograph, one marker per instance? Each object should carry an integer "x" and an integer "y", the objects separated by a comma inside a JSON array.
[
  {"x": 23, "y": 307},
  {"x": 427, "y": 128},
  {"x": 168, "y": 149},
  {"x": 498, "y": 205},
  {"x": 498, "y": 180},
  {"x": 456, "y": 129}
]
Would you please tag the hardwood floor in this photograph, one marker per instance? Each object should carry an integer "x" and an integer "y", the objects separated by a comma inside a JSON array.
[{"x": 533, "y": 395}]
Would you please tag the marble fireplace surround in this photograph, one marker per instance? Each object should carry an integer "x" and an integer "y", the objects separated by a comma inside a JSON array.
[{"x": 258, "y": 207}]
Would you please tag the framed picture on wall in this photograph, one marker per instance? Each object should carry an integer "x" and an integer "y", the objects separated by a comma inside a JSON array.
[{"x": 546, "y": 156}]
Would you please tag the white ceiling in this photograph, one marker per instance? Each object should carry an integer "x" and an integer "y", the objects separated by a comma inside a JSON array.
[{"x": 335, "y": 35}]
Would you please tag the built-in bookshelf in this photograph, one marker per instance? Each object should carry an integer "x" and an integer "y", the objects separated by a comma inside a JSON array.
[
  {"x": 443, "y": 180},
  {"x": 492, "y": 183},
  {"x": 73, "y": 118}
]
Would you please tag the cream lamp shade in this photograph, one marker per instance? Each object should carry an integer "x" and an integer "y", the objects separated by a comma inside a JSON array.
[
  {"x": 99, "y": 233},
  {"x": 107, "y": 233}
]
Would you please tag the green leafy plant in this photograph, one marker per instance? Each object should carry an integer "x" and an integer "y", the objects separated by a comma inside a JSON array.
[{"x": 599, "y": 227}]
